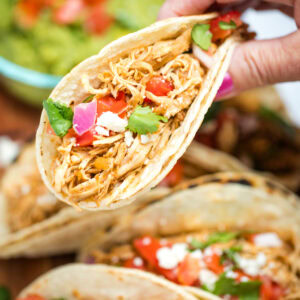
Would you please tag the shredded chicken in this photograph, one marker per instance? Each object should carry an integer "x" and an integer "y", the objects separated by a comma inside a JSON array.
[
  {"x": 76, "y": 174},
  {"x": 28, "y": 200},
  {"x": 279, "y": 260}
]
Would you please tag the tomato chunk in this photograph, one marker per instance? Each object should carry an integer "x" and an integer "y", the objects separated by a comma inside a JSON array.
[
  {"x": 68, "y": 12},
  {"x": 219, "y": 33},
  {"x": 213, "y": 262},
  {"x": 109, "y": 103},
  {"x": 270, "y": 290},
  {"x": 159, "y": 86},
  {"x": 85, "y": 139},
  {"x": 188, "y": 271},
  {"x": 98, "y": 20},
  {"x": 147, "y": 247},
  {"x": 174, "y": 177},
  {"x": 130, "y": 263}
]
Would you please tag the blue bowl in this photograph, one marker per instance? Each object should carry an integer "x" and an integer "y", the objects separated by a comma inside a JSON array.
[{"x": 28, "y": 85}]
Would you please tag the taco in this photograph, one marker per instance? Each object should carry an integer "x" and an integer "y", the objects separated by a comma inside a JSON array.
[
  {"x": 251, "y": 131},
  {"x": 118, "y": 122},
  {"x": 233, "y": 235},
  {"x": 78, "y": 282},
  {"x": 34, "y": 223}
]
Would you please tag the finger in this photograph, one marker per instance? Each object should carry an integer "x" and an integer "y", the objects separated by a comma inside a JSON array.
[
  {"x": 257, "y": 63},
  {"x": 297, "y": 13},
  {"x": 285, "y": 2},
  {"x": 176, "y": 8}
]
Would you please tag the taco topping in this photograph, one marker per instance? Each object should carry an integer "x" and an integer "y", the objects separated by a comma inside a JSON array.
[
  {"x": 141, "y": 100},
  {"x": 232, "y": 265},
  {"x": 261, "y": 139}
]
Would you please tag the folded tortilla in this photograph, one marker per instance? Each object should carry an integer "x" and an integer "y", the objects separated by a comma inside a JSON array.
[
  {"x": 249, "y": 224},
  {"x": 77, "y": 281},
  {"x": 250, "y": 132},
  {"x": 130, "y": 170},
  {"x": 34, "y": 223}
]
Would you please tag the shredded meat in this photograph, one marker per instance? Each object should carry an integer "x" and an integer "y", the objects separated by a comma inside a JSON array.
[
  {"x": 28, "y": 200},
  {"x": 76, "y": 173}
]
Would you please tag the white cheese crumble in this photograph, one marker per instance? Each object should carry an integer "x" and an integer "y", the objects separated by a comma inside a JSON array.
[
  {"x": 102, "y": 131},
  {"x": 146, "y": 241},
  {"x": 231, "y": 274},
  {"x": 112, "y": 122},
  {"x": 128, "y": 138},
  {"x": 169, "y": 258},
  {"x": 9, "y": 150},
  {"x": 244, "y": 279},
  {"x": 145, "y": 139},
  {"x": 197, "y": 254},
  {"x": 137, "y": 261},
  {"x": 46, "y": 199},
  {"x": 269, "y": 239},
  {"x": 208, "y": 278},
  {"x": 252, "y": 266}
]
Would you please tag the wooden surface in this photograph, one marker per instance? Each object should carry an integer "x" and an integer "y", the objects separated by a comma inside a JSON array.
[{"x": 20, "y": 121}]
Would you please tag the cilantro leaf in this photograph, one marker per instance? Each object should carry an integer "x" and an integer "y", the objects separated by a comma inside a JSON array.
[
  {"x": 88, "y": 99},
  {"x": 217, "y": 237},
  {"x": 60, "y": 116},
  {"x": 248, "y": 290},
  {"x": 143, "y": 120},
  {"x": 202, "y": 36},
  {"x": 4, "y": 293},
  {"x": 227, "y": 26},
  {"x": 229, "y": 254}
]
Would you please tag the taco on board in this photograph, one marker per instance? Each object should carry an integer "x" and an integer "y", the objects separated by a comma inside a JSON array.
[
  {"x": 233, "y": 235},
  {"x": 118, "y": 122}
]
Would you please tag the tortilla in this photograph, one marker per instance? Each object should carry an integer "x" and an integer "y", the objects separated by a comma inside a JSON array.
[
  {"x": 77, "y": 281},
  {"x": 70, "y": 90},
  {"x": 224, "y": 202},
  {"x": 33, "y": 223},
  {"x": 283, "y": 162}
]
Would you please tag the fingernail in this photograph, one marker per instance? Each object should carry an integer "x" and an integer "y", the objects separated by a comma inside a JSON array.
[{"x": 226, "y": 87}]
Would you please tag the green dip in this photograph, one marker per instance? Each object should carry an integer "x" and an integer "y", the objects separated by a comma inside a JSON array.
[{"x": 52, "y": 48}]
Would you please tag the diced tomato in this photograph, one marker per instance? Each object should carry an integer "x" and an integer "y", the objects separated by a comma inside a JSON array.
[
  {"x": 270, "y": 290},
  {"x": 174, "y": 177},
  {"x": 50, "y": 130},
  {"x": 241, "y": 274},
  {"x": 109, "y": 103},
  {"x": 219, "y": 33},
  {"x": 129, "y": 263},
  {"x": 171, "y": 274},
  {"x": 32, "y": 297},
  {"x": 188, "y": 271},
  {"x": 147, "y": 247},
  {"x": 85, "y": 139},
  {"x": 68, "y": 12},
  {"x": 27, "y": 12},
  {"x": 94, "y": 2},
  {"x": 213, "y": 262},
  {"x": 159, "y": 86},
  {"x": 98, "y": 20}
]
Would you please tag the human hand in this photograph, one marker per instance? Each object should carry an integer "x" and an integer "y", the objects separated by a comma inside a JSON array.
[{"x": 254, "y": 63}]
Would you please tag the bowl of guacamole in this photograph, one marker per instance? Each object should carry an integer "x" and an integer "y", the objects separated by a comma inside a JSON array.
[{"x": 42, "y": 40}]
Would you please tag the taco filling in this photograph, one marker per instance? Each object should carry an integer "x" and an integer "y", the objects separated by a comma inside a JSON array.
[
  {"x": 141, "y": 99},
  {"x": 232, "y": 265},
  {"x": 261, "y": 138}
]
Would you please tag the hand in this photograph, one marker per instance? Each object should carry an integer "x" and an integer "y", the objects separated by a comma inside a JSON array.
[{"x": 254, "y": 63}]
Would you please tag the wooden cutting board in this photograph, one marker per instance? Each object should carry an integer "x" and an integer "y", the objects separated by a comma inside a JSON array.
[{"x": 20, "y": 121}]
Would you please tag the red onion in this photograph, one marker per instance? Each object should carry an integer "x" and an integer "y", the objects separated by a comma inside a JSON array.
[{"x": 84, "y": 117}]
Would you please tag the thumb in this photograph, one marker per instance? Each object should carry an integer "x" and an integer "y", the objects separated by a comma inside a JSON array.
[{"x": 258, "y": 63}]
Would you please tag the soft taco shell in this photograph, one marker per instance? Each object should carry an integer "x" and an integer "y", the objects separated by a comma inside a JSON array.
[
  {"x": 70, "y": 88},
  {"x": 78, "y": 281}
]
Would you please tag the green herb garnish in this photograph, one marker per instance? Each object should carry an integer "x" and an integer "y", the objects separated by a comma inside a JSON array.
[
  {"x": 4, "y": 293},
  {"x": 202, "y": 36},
  {"x": 217, "y": 237},
  {"x": 88, "y": 99},
  {"x": 60, "y": 116},
  {"x": 143, "y": 120},
  {"x": 248, "y": 290},
  {"x": 227, "y": 26},
  {"x": 273, "y": 116},
  {"x": 230, "y": 254}
]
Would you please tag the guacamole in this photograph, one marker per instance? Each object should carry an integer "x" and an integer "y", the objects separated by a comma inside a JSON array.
[{"x": 45, "y": 38}]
